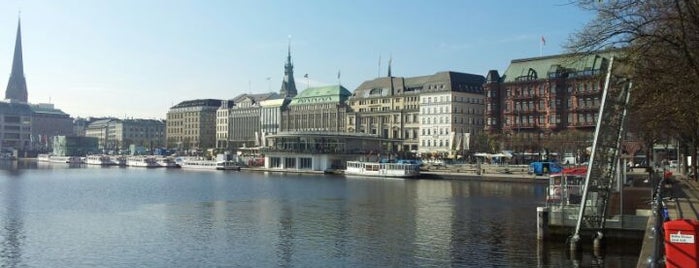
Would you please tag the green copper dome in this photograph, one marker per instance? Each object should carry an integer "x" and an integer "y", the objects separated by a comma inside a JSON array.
[{"x": 318, "y": 95}]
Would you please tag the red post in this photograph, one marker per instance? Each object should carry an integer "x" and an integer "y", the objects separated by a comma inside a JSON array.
[{"x": 680, "y": 243}]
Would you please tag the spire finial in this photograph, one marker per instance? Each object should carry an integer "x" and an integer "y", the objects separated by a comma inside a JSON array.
[
  {"x": 289, "y": 47},
  {"x": 390, "y": 59},
  {"x": 288, "y": 88},
  {"x": 17, "y": 85}
]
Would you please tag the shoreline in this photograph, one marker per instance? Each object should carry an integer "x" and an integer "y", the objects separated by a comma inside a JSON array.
[
  {"x": 433, "y": 175},
  {"x": 489, "y": 174}
]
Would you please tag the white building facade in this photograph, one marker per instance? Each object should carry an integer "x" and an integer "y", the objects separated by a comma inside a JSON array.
[
  {"x": 451, "y": 109},
  {"x": 222, "y": 128}
]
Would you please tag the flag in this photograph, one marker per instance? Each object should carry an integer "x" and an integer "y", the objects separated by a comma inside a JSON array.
[
  {"x": 543, "y": 41},
  {"x": 305, "y": 76},
  {"x": 338, "y": 74}
]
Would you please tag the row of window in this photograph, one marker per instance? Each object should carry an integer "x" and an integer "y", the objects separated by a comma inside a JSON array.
[
  {"x": 591, "y": 102},
  {"x": 457, "y": 120},
  {"x": 383, "y": 101},
  {"x": 541, "y": 90},
  {"x": 438, "y": 99},
  {"x": 311, "y": 107},
  {"x": 435, "y": 143},
  {"x": 553, "y": 119},
  {"x": 14, "y": 136},
  {"x": 429, "y": 132},
  {"x": 445, "y": 109},
  {"x": 11, "y": 119},
  {"x": 303, "y": 163},
  {"x": 180, "y": 115}
]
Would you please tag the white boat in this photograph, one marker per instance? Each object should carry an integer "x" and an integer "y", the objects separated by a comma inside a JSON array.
[
  {"x": 207, "y": 164},
  {"x": 59, "y": 159},
  {"x": 167, "y": 162},
  {"x": 68, "y": 159},
  {"x": 375, "y": 169},
  {"x": 43, "y": 157},
  {"x": 119, "y": 160},
  {"x": 97, "y": 159},
  {"x": 142, "y": 161}
]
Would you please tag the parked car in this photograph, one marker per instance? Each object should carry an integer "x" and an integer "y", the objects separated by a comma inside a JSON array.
[
  {"x": 439, "y": 163},
  {"x": 541, "y": 168},
  {"x": 673, "y": 164}
]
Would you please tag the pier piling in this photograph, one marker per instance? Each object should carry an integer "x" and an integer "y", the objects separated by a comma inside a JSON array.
[{"x": 542, "y": 221}]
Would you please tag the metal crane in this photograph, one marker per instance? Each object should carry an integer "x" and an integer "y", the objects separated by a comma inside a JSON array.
[{"x": 601, "y": 171}]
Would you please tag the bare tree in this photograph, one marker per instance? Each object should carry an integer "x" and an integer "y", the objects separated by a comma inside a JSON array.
[{"x": 661, "y": 41}]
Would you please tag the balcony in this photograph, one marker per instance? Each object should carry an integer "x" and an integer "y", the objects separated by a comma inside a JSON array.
[
  {"x": 522, "y": 112},
  {"x": 586, "y": 93},
  {"x": 525, "y": 97},
  {"x": 586, "y": 108}
]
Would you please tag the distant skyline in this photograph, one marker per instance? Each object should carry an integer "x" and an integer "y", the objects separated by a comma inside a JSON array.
[{"x": 139, "y": 58}]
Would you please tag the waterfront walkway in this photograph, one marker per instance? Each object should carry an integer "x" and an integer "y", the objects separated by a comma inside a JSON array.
[
  {"x": 682, "y": 203},
  {"x": 685, "y": 198}
]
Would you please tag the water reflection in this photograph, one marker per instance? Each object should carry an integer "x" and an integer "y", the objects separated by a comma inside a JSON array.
[
  {"x": 285, "y": 246},
  {"x": 12, "y": 222},
  {"x": 166, "y": 218},
  {"x": 11, "y": 168}
]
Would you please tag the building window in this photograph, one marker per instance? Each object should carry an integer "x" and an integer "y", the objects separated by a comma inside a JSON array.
[
  {"x": 275, "y": 162},
  {"x": 305, "y": 163},
  {"x": 289, "y": 162}
]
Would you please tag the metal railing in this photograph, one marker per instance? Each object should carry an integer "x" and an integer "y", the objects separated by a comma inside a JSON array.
[{"x": 660, "y": 215}]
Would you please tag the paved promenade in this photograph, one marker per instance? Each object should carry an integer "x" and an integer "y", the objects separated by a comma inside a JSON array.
[
  {"x": 685, "y": 201},
  {"x": 684, "y": 204}
]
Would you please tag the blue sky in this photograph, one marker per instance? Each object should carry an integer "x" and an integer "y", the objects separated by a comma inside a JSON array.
[{"x": 138, "y": 58}]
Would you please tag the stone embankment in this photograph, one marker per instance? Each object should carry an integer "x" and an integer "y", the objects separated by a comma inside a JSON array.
[{"x": 515, "y": 173}]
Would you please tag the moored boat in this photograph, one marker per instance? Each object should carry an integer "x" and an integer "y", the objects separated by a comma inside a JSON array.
[
  {"x": 59, "y": 159},
  {"x": 142, "y": 161},
  {"x": 119, "y": 160},
  {"x": 375, "y": 169},
  {"x": 207, "y": 164},
  {"x": 167, "y": 162},
  {"x": 566, "y": 187},
  {"x": 43, "y": 157},
  {"x": 97, "y": 159}
]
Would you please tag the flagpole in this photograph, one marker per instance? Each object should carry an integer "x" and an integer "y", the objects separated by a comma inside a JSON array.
[
  {"x": 541, "y": 46},
  {"x": 541, "y": 49}
]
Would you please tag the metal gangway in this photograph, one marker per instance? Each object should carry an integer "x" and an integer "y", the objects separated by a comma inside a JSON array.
[{"x": 604, "y": 159}]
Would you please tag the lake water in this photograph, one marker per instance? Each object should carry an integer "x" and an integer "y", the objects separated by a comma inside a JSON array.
[{"x": 55, "y": 216}]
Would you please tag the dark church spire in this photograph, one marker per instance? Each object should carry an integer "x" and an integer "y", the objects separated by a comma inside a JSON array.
[
  {"x": 17, "y": 86},
  {"x": 288, "y": 85}
]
